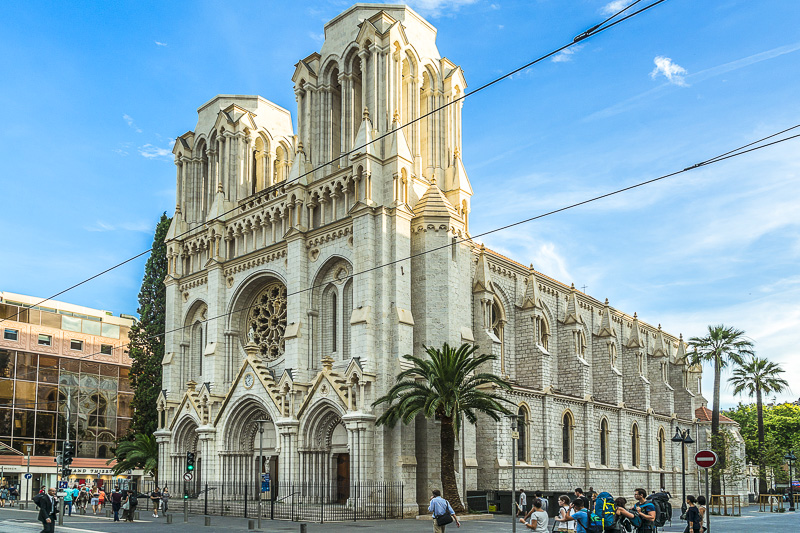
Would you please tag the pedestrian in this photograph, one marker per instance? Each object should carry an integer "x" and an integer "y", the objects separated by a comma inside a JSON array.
[
  {"x": 592, "y": 495},
  {"x": 645, "y": 510},
  {"x": 116, "y": 503},
  {"x": 539, "y": 519},
  {"x": 48, "y": 509},
  {"x": 545, "y": 503},
  {"x": 441, "y": 510},
  {"x": 564, "y": 509},
  {"x": 701, "y": 507},
  {"x": 95, "y": 499},
  {"x": 13, "y": 495},
  {"x": 3, "y": 495},
  {"x": 621, "y": 514},
  {"x": 68, "y": 501},
  {"x": 693, "y": 520},
  {"x": 579, "y": 494},
  {"x": 580, "y": 515},
  {"x": 101, "y": 498},
  {"x": 165, "y": 499},
  {"x": 522, "y": 506},
  {"x": 126, "y": 504},
  {"x": 83, "y": 499},
  {"x": 133, "y": 502},
  {"x": 155, "y": 499}
]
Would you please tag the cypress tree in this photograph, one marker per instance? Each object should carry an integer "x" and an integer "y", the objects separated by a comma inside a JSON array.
[{"x": 147, "y": 336}]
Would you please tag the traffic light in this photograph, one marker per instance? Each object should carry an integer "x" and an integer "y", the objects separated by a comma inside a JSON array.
[
  {"x": 69, "y": 453},
  {"x": 66, "y": 472},
  {"x": 190, "y": 461}
]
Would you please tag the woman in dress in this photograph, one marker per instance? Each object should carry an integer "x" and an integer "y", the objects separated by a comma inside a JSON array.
[{"x": 95, "y": 499}]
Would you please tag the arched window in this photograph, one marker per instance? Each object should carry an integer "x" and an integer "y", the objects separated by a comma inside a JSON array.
[
  {"x": 543, "y": 330},
  {"x": 567, "y": 428},
  {"x": 604, "y": 442},
  {"x": 662, "y": 448},
  {"x": 334, "y": 329},
  {"x": 196, "y": 365},
  {"x": 522, "y": 427},
  {"x": 335, "y": 115},
  {"x": 635, "y": 457},
  {"x": 612, "y": 354},
  {"x": 580, "y": 343},
  {"x": 498, "y": 323},
  {"x": 640, "y": 363}
]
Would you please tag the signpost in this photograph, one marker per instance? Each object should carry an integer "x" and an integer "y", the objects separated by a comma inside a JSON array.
[
  {"x": 706, "y": 459},
  {"x": 188, "y": 476}
]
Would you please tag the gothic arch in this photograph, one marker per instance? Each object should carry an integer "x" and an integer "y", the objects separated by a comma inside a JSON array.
[
  {"x": 636, "y": 458},
  {"x": 194, "y": 341},
  {"x": 523, "y": 424},
  {"x": 605, "y": 448},
  {"x": 567, "y": 437},
  {"x": 332, "y": 299},
  {"x": 258, "y": 302}
]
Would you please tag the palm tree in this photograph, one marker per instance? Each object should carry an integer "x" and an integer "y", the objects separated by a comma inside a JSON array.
[
  {"x": 141, "y": 452},
  {"x": 757, "y": 376},
  {"x": 722, "y": 345},
  {"x": 446, "y": 386}
]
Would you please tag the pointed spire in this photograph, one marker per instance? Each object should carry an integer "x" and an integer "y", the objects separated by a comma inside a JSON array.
[
  {"x": 530, "y": 295},
  {"x": 606, "y": 323},
  {"x": 483, "y": 279},
  {"x": 635, "y": 340},
  {"x": 455, "y": 177},
  {"x": 661, "y": 347},
  {"x": 327, "y": 361},
  {"x": 299, "y": 165},
  {"x": 434, "y": 204},
  {"x": 363, "y": 142},
  {"x": 572, "y": 314},
  {"x": 680, "y": 357},
  {"x": 397, "y": 143}
]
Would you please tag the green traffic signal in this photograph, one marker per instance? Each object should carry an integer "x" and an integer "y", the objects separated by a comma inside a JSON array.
[{"x": 189, "y": 467}]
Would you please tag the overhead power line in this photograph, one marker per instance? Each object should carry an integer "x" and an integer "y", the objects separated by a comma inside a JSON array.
[
  {"x": 594, "y": 30},
  {"x": 742, "y": 150}
]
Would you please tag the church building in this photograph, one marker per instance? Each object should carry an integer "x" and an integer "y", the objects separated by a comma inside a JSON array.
[{"x": 306, "y": 259}]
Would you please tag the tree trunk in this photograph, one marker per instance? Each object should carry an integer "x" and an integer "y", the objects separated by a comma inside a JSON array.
[
  {"x": 762, "y": 481},
  {"x": 715, "y": 482},
  {"x": 448, "y": 471}
]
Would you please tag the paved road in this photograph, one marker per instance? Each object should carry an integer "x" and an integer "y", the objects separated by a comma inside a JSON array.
[{"x": 16, "y": 521}]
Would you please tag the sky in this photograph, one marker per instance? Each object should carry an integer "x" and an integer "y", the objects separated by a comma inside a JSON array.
[{"x": 100, "y": 90}]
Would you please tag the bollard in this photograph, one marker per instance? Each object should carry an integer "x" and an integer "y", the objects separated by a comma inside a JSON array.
[
  {"x": 303, "y": 528},
  {"x": 169, "y": 518},
  {"x": 251, "y": 524},
  {"x": 207, "y": 520},
  {"x": 108, "y": 513},
  {"x": 136, "y": 515}
]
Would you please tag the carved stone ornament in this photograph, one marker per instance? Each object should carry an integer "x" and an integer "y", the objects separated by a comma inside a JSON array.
[{"x": 267, "y": 320}]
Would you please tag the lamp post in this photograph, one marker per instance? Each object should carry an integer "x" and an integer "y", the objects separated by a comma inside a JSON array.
[
  {"x": 514, "y": 438},
  {"x": 684, "y": 438},
  {"x": 28, "y": 479},
  {"x": 790, "y": 459},
  {"x": 260, "y": 465}
]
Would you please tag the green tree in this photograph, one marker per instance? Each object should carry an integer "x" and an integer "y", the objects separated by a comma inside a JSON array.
[
  {"x": 445, "y": 386},
  {"x": 756, "y": 376},
  {"x": 721, "y": 346},
  {"x": 147, "y": 336},
  {"x": 141, "y": 452}
]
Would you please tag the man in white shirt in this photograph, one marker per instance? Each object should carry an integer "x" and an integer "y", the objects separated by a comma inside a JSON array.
[{"x": 522, "y": 507}]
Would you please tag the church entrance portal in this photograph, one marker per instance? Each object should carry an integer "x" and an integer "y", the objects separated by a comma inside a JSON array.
[{"x": 342, "y": 477}]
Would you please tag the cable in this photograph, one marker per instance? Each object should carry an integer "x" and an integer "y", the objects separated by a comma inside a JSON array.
[
  {"x": 742, "y": 150},
  {"x": 586, "y": 34}
]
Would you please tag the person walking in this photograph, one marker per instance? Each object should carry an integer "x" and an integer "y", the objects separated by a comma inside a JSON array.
[
  {"x": 68, "y": 501},
  {"x": 165, "y": 500},
  {"x": 101, "y": 498},
  {"x": 48, "y": 509},
  {"x": 95, "y": 499},
  {"x": 82, "y": 500},
  {"x": 579, "y": 494},
  {"x": 441, "y": 508},
  {"x": 622, "y": 515},
  {"x": 155, "y": 499},
  {"x": 133, "y": 502},
  {"x": 645, "y": 510},
  {"x": 693, "y": 520},
  {"x": 580, "y": 515},
  {"x": 522, "y": 506},
  {"x": 13, "y": 495},
  {"x": 539, "y": 519},
  {"x": 701, "y": 508},
  {"x": 116, "y": 503},
  {"x": 3, "y": 495},
  {"x": 564, "y": 510},
  {"x": 545, "y": 503}
]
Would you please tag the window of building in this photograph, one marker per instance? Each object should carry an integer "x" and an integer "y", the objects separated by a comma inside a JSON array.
[
  {"x": 567, "y": 428},
  {"x": 11, "y": 334},
  {"x": 76, "y": 345},
  {"x": 612, "y": 354},
  {"x": 604, "y": 442},
  {"x": 635, "y": 457},
  {"x": 106, "y": 349},
  {"x": 543, "y": 330},
  {"x": 522, "y": 427},
  {"x": 45, "y": 340},
  {"x": 662, "y": 448},
  {"x": 333, "y": 321}
]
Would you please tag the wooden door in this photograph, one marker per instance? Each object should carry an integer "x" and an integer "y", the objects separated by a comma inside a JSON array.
[{"x": 342, "y": 477}]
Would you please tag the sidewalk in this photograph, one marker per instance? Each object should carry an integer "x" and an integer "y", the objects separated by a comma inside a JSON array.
[{"x": 16, "y": 521}]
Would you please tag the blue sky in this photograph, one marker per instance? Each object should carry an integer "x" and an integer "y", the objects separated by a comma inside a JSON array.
[{"x": 99, "y": 90}]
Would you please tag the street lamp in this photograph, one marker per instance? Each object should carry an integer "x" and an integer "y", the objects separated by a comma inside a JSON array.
[
  {"x": 684, "y": 438},
  {"x": 790, "y": 459},
  {"x": 28, "y": 478},
  {"x": 514, "y": 438},
  {"x": 260, "y": 464}
]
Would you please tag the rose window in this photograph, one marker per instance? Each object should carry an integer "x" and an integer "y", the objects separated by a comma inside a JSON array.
[{"x": 267, "y": 320}]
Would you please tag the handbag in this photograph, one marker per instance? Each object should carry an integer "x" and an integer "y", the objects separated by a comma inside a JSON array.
[
  {"x": 443, "y": 520},
  {"x": 126, "y": 506}
]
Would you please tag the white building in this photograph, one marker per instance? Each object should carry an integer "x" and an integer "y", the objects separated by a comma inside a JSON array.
[{"x": 314, "y": 259}]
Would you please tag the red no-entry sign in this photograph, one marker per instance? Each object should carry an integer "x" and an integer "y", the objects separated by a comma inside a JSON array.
[{"x": 705, "y": 458}]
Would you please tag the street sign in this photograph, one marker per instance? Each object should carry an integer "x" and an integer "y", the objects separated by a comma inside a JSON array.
[
  {"x": 62, "y": 484},
  {"x": 705, "y": 458},
  {"x": 188, "y": 476},
  {"x": 28, "y": 476},
  {"x": 515, "y": 434}
]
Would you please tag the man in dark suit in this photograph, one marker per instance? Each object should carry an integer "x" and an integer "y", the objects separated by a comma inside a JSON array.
[{"x": 48, "y": 509}]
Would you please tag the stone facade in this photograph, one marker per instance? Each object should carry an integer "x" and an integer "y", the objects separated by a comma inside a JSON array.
[{"x": 296, "y": 285}]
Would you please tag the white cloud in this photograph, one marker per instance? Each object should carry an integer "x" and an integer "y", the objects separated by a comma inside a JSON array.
[
  {"x": 566, "y": 54},
  {"x": 614, "y": 7},
  {"x": 129, "y": 120},
  {"x": 672, "y": 71},
  {"x": 495, "y": 6},
  {"x": 435, "y": 8},
  {"x": 102, "y": 226},
  {"x": 154, "y": 152},
  {"x": 160, "y": 44},
  {"x": 318, "y": 37},
  {"x": 500, "y": 26}
]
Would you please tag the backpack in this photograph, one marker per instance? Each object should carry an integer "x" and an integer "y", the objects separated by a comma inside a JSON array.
[
  {"x": 132, "y": 499},
  {"x": 592, "y": 524},
  {"x": 605, "y": 510},
  {"x": 660, "y": 501}
]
